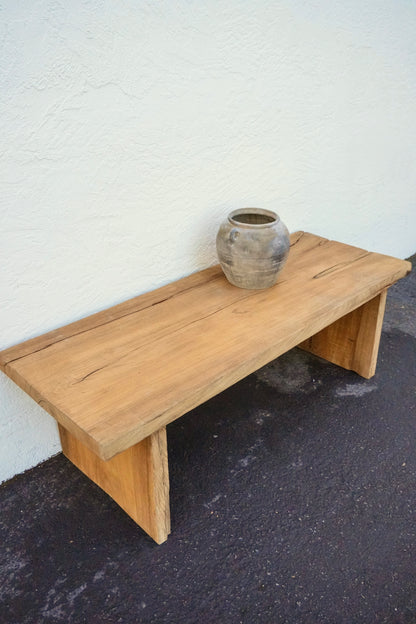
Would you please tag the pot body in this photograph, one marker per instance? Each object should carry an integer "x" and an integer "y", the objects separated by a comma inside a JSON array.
[{"x": 252, "y": 246}]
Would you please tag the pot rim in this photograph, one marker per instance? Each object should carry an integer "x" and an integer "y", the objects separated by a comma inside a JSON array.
[{"x": 256, "y": 211}]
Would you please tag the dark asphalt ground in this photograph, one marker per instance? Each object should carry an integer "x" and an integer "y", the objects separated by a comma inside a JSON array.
[{"x": 293, "y": 500}]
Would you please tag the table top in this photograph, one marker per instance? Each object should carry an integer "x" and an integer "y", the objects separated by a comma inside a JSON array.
[{"x": 117, "y": 376}]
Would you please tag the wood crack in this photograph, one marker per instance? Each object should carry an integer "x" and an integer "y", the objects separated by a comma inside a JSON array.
[
  {"x": 299, "y": 237},
  {"x": 89, "y": 374},
  {"x": 144, "y": 345},
  {"x": 340, "y": 265},
  {"x": 111, "y": 320}
]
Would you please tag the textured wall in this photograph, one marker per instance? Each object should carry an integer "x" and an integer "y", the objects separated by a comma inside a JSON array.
[{"x": 130, "y": 129}]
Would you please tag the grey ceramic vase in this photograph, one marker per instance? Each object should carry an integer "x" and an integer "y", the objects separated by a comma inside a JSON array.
[{"x": 252, "y": 246}]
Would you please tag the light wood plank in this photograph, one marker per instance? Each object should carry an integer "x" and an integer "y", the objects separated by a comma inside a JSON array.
[
  {"x": 115, "y": 381},
  {"x": 137, "y": 479},
  {"x": 114, "y": 313},
  {"x": 353, "y": 341}
]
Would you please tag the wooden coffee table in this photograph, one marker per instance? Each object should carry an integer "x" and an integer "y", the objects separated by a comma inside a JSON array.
[{"x": 115, "y": 379}]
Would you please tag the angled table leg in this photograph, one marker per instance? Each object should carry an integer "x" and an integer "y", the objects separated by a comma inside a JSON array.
[
  {"x": 137, "y": 479},
  {"x": 352, "y": 342}
]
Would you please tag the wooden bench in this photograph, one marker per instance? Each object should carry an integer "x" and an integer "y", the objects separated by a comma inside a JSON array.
[{"x": 115, "y": 379}]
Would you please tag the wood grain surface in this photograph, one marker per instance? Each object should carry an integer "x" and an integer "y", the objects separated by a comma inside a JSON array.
[
  {"x": 137, "y": 479},
  {"x": 352, "y": 342},
  {"x": 117, "y": 377}
]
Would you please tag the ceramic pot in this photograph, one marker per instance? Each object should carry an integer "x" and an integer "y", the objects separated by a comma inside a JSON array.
[{"x": 252, "y": 246}]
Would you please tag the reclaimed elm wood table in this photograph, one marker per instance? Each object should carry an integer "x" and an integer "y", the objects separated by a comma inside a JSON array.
[{"x": 115, "y": 379}]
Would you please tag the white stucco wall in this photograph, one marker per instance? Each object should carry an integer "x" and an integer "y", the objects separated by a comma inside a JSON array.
[{"x": 130, "y": 129}]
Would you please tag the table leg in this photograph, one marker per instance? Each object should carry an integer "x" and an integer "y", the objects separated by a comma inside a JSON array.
[
  {"x": 352, "y": 342},
  {"x": 137, "y": 479}
]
